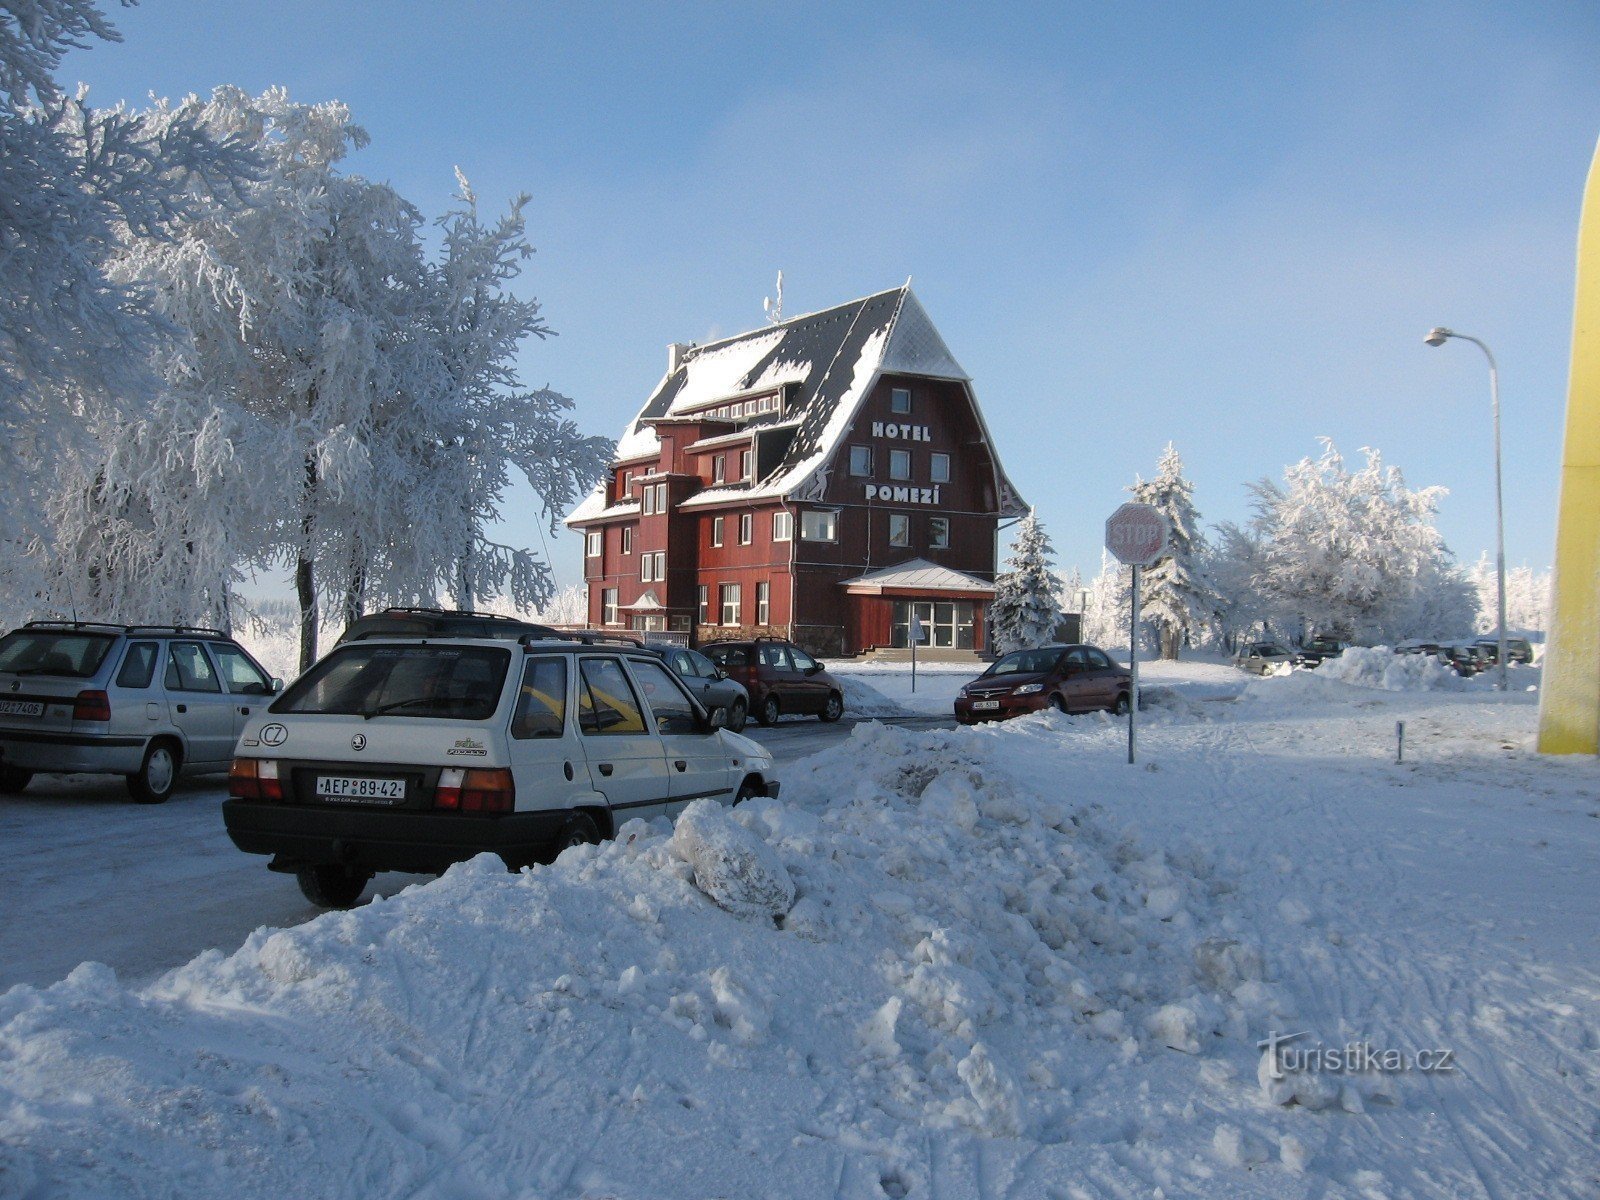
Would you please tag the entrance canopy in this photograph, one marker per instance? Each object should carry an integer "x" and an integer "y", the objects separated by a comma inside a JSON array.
[{"x": 919, "y": 577}]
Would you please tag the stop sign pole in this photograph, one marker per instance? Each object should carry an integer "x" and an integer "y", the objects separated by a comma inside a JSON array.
[{"x": 1138, "y": 535}]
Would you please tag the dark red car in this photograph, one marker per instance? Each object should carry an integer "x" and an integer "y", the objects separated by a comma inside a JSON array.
[
  {"x": 1066, "y": 678},
  {"x": 780, "y": 677}
]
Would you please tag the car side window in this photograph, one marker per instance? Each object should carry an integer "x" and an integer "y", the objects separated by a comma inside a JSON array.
[
  {"x": 683, "y": 664},
  {"x": 703, "y": 666},
  {"x": 671, "y": 706},
  {"x": 189, "y": 670},
  {"x": 1075, "y": 660},
  {"x": 776, "y": 657},
  {"x": 139, "y": 665},
  {"x": 241, "y": 675},
  {"x": 606, "y": 702},
  {"x": 542, "y": 703},
  {"x": 731, "y": 656},
  {"x": 1098, "y": 660},
  {"x": 802, "y": 660}
]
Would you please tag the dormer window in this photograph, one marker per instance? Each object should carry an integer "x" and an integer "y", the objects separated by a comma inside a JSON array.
[{"x": 900, "y": 400}]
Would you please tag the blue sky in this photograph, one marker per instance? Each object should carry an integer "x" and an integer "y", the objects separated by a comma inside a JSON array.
[{"x": 1226, "y": 226}]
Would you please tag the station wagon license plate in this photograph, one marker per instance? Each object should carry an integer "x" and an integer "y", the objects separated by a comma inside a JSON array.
[
  {"x": 985, "y": 705},
  {"x": 360, "y": 790},
  {"x": 22, "y": 708}
]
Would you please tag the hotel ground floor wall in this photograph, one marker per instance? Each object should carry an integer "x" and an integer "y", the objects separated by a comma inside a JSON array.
[{"x": 950, "y": 620}]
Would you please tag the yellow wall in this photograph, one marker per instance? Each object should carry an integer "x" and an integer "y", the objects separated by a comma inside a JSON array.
[{"x": 1569, "y": 703}]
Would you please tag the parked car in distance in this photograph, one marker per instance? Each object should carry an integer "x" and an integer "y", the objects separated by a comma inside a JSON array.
[
  {"x": 780, "y": 677},
  {"x": 1261, "y": 657},
  {"x": 709, "y": 682},
  {"x": 1417, "y": 646},
  {"x": 146, "y": 702},
  {"x": 1066, "y": 678},
  {"x": 1518, "y": 649},
  {"x": 1465, "y": 658},
  {"x": 410, "y": 754},
  {"x": 442, "y": 622},
  {"x": 1317, "y": 649}
]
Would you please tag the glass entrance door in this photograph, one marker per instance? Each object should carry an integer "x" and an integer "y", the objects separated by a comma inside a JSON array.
[{"x": 945, "y": 623}]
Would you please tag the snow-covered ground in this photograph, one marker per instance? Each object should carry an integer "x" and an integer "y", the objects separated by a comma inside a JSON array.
[{"x": 966, "y": 962}]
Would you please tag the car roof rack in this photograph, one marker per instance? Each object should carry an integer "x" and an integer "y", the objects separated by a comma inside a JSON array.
[
  {"x": 132, "y": 630},
  {"x": 582, "y": 637},
  {"x": 420, "y": 611}
]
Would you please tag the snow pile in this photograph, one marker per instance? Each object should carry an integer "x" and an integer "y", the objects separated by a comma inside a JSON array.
[
  {"x": 861, "y": 699},
  {"x": 785, "y": 997},
  {"x": 1380, "y": 667}
]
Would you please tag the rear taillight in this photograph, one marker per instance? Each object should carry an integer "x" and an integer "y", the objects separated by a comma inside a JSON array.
[
  {"x": 255, "y": 779},
  {"x": 478, "y": 791},
  {"x": 91, "y": 706}
]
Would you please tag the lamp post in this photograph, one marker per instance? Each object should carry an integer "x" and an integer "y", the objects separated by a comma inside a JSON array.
[{"x": 1436, "y": 337}]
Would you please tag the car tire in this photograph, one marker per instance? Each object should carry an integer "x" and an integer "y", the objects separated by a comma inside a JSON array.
[
  {"x": 157, "y": 775},
  {"x": 833, "y": 709},
  {"x": 769, "y": 711},
  {"x": 578, "y": 829},
  {"x": 332, "y": 885},
  {"x": 738, "y": 715},
  {"x": 1058, "y": 702},
  {"x": 13, "y": 780},
  {"x": 1123, "y": 705},
  {"x": 749, "y": 790}
]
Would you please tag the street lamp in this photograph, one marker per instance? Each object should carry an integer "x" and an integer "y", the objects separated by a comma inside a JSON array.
[{"x": 1437, "y": 337}]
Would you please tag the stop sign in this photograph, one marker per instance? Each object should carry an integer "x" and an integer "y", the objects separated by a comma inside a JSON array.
[{"x": 1137, "y": 534}]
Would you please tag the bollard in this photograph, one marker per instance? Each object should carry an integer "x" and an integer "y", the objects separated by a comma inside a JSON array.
[{"x": 1399, "y": 741}]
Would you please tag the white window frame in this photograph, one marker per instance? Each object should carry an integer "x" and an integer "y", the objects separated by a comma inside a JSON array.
[
  {"x": 716, "y": 531},
  {"x": 647, "y": 568},
  {"x": 763, "y": 602},
  {"x": 866, "y": 471},
  {"x": 902, "y": 522},
  {"x": 747, "y": 463},
  {"x": 627, "y": 539},
  {"x": 594, "y": 543},
  {"x": 648, "y": 500},
  {"x": 609, "y": 614},
  {"x": 747, "y": 528},
  {"x": 783, "y": 526},
  {"x": 703, "y": 600},
  {"x": 938, "y": 533},
  {"x": 661, "y": 498},
  {"x": 939, "y": 468},
  {"x": 719, "y": 468},
  {"x": 828, "y": 515},
  {"x": 661, "y": 566},
  {"x": 894, "y": 400},
  {"x": 729, "y": 599},
  {"x": 902, "y": 456}
]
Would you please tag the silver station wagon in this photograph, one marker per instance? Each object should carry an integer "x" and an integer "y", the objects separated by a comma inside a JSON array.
[
  {"x": 142, "y": 701},
  {"x": 409, "y": 754}
]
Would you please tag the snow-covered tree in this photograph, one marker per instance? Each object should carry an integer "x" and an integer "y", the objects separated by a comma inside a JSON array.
[
  {"x": 1355, "y": 554},
  {"x": 1527, "y": 597},
  {"x": 1025, "y": 610},
  {"x": 75, "y": 339},
  {"x": 1105, "y": 616},
  {"x": 1233, "y": 565},
  {"x": 1174, "y": 596}
]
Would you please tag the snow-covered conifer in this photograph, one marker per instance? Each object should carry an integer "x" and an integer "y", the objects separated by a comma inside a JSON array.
[
  {"x": 1025, "y": 610},
  {"x": 1174, "y": 595}
]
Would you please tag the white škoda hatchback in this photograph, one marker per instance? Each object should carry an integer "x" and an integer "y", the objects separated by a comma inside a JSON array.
[{"x": 409, "y": 754}]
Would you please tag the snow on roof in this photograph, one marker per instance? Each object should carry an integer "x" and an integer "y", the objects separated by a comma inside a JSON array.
[
  {"x": 829, "y": 361},
  {"x": 921, "y": 574},
  {"x": 594, "y": 507}
]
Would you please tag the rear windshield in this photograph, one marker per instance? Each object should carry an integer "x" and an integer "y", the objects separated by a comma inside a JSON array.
[
  {"x": 461, "y": 683},
  {"x": 1026, "y": 662},
  {"x": 74, "y": 655}
]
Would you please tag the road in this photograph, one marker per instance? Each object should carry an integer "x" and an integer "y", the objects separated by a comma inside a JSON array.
[{"x": 86, "y": 875}]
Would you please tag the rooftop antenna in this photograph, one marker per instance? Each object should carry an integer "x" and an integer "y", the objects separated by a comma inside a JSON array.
[{"x": 774, "y": 308}]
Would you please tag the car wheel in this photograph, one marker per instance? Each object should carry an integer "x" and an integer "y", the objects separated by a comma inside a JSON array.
[
  {"x": 833, "y": 709},
  {"x": 768, "y": 713},
  {"x": 1122, "y": 705},
  {"x": 153, "y": 782},
  {"x": 13, "y": 780},
  {"x": 332, "y": 885},
  {"x": 1058, "y": 702},
  {"x": 578, "y": 829},
  {"x": 737, "y": 716},
  {"x": 748, "y": 790}
]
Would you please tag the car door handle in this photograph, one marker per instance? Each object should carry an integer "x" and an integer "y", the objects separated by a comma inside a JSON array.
[
  {"x": 606, "y": 769},
  {"x": 183, "y": 708},
  {"x": 680, "y": 764},
  {"x": 244, "y": 712}
]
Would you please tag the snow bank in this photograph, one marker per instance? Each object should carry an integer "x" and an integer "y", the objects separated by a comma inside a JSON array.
[
  {"x": 861, "y": 699},
  {"x": 1380, "y": 667},
  {"x": 782, "y": 998}
]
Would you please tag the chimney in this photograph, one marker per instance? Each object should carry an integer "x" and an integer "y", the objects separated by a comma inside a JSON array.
[{"x": 675, "y": 354}]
